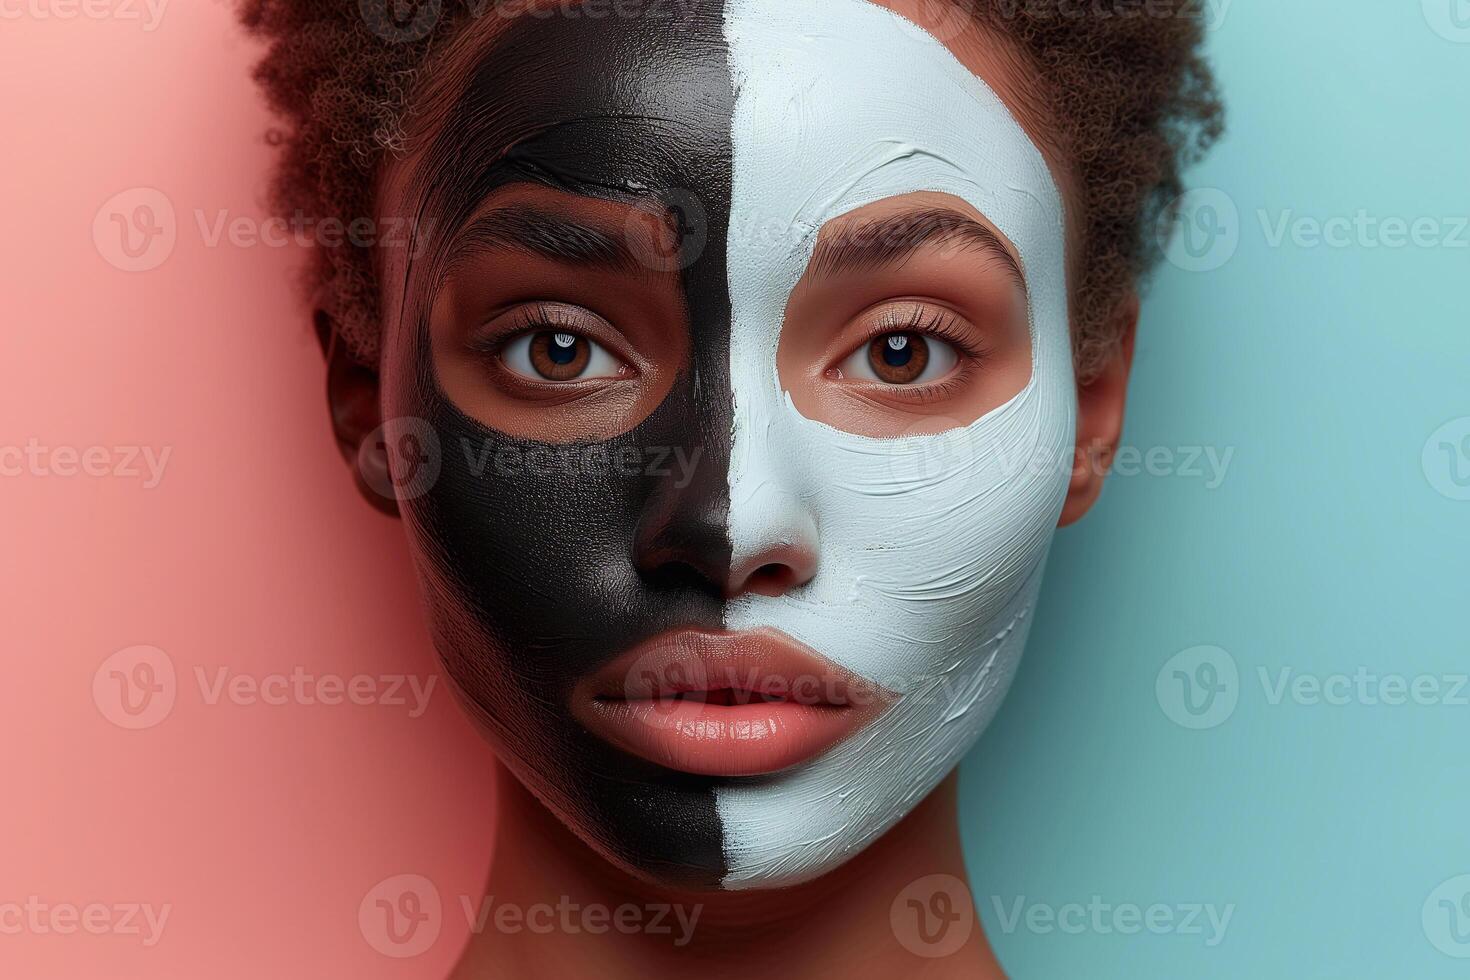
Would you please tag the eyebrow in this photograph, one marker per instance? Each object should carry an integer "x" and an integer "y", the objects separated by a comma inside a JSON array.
[
  {"x": 892, "y": 240},
  {"x": 542, "y": 232}
]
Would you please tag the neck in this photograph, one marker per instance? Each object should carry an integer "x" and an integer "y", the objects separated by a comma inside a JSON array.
[{"x": 568, "y": 912}]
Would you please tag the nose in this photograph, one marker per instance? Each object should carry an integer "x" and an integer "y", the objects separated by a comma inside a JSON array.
[
  {"x": 777, "y": 551},
  {"x": 685, "y": 540},
  {"x": 680, "y": 543}
]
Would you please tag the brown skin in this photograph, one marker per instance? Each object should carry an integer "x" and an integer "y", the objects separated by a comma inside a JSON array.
[
  {"x": 642, "y": 324},
  {"x": 833, "y": 312},
  {"x": 838, "y": 925}
]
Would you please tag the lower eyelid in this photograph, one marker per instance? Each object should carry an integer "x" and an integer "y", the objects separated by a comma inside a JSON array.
[
  {"x": 532, "y": 317},
  {"x": 932, "y": 390}
]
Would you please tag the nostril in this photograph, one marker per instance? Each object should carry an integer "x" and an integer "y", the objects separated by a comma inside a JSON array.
[
  {"x": 772, "y": 579},
  {"x": 680, "y": 576}
]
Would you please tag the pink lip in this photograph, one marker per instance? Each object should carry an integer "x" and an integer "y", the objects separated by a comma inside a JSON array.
[{"x": 725, "y": 704}]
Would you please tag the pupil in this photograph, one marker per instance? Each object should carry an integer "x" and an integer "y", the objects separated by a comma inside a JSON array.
[
  {"x": 562, "y": 349},
  {"x": 897, "y": 352}
]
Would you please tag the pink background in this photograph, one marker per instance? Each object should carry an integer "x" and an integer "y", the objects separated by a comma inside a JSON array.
[{"x": 262, "y": 827}]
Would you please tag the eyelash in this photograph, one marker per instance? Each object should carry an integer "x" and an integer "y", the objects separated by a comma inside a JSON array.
[
  {"x": 936, "y": 322},
  {"x": 927, "y": 320},
  {"x": 527, "y": 319},
  {"x": 939, "y": 323}
]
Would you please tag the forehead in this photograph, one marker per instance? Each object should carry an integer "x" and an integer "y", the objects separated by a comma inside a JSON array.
[
  {"x": 646, "y": 83},
  {"x": 599, "y": 105},
  {"x": 834, "y": 103}
]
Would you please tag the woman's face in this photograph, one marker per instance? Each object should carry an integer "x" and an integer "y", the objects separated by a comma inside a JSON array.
[{"x": 742, "y": 330}]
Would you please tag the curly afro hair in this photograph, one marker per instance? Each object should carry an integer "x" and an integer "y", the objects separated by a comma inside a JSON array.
[{"x": 1129, "y": 96}]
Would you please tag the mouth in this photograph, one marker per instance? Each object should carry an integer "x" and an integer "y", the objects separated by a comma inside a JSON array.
[{"x": 726, "y": 704}]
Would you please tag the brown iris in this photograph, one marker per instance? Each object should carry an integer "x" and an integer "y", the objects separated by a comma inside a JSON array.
[
  {"x": 559, "y": 356},
  {"x": 898, "y": 358}
]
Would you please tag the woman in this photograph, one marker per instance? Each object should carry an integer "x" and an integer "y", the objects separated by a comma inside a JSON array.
[{"x": 738, "y": 363}]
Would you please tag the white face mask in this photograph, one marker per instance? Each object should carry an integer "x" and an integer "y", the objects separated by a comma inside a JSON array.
[{"x": 931, "y": 547}]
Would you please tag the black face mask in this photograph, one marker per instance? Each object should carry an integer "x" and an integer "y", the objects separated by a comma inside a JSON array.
[{"x": 537, "y": 577}]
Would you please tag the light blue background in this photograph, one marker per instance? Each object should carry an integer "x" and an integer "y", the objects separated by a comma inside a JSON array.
[{"x": 1326, "y": 548}]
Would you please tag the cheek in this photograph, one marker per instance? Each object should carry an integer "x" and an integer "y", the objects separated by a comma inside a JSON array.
[
  {"x": 526, "y": 555},
  {"x": 922, "y": 541},
  {"x": 931, "y": 550}
]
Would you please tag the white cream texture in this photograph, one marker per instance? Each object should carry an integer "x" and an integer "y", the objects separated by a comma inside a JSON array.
[{"x": 930, "y": 548}]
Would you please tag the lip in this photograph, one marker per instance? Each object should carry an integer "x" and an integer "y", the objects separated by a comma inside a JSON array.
[{"x": 725, "y": 703}]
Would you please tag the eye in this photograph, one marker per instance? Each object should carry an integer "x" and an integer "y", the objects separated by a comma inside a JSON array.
[
  {"x": 902, "y": 357},
  {"x": 559, "y": 355}
]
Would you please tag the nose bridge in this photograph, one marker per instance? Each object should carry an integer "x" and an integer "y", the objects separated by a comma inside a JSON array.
[
  {"x": 769, "y": 522},
  {"x": 684, "y": 521}
]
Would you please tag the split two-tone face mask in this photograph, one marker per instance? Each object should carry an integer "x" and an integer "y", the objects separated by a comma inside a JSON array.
[{"x": 742, "y": 330}]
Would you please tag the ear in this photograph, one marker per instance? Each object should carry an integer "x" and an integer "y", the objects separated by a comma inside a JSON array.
[
  {"x": 357, "y": 417},
  {"x": 1100, "y": 405}
]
